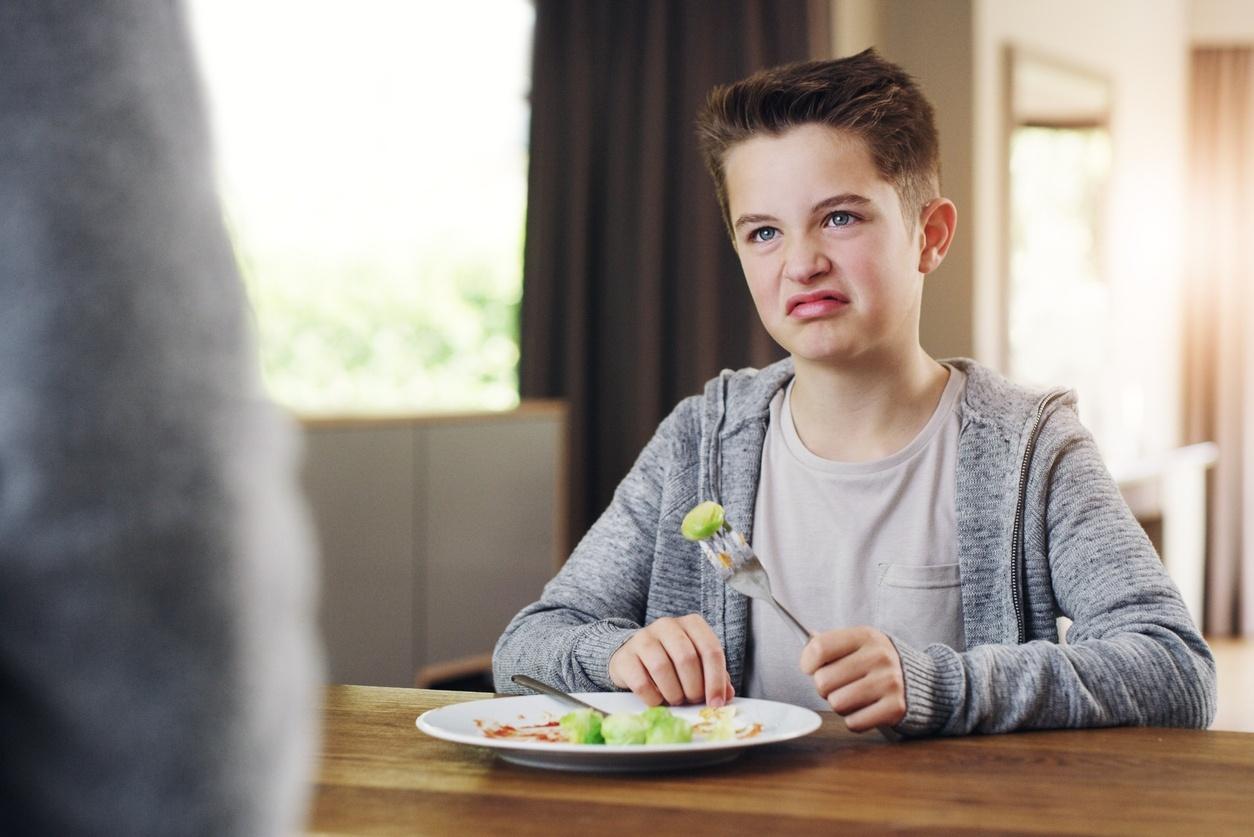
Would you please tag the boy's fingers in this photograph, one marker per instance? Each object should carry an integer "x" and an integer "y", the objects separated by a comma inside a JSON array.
[
  {"x": 853, "y": 696},
  {"x": 684, "y": 659},
  {"x": 830, "y": 646},
  {"x": 713, "y": 661},
  {"x": 636, "y": 677},
  {"x": 658, "y": 663},
  {"x": 672, "y": 633},
  {"x": 835, "y": 675},
  {"x": 716, "y": 684},
  {"x": 687, "y": 664},
  {"x": 886, "y": 712},
  {"x": 715, "y": 688}
]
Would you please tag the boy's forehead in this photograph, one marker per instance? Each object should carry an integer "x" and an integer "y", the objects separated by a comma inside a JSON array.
[{"x": 807, "y": 158}]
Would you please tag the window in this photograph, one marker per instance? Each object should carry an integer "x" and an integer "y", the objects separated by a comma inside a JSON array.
[
  {"x": 1057, "y": 288},
  {"x": 372, "y": 161},
  {"x": 1060, "y": 304}
]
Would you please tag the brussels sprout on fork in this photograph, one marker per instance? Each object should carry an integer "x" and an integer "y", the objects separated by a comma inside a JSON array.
[{"x": 729, "y": 553}]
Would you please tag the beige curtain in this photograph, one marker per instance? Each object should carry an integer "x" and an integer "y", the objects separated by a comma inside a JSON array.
[{"x": 1219, "y": 348}]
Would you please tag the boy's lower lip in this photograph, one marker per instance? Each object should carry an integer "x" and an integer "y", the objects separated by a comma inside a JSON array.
[{"x": 816, "y": 308}]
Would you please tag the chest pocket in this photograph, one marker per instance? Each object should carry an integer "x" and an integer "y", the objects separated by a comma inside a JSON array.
[{"x": 920, "y": 605}]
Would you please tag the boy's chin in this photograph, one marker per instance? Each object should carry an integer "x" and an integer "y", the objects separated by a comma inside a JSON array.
[
  {"x": 846, "y": 358},
  {"x": 838, "y": 355}
]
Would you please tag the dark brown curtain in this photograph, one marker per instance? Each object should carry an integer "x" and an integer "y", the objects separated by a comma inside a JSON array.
[{"x": 632, "y": 295}]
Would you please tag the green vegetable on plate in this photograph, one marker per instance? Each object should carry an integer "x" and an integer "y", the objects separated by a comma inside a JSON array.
[
  {"x": 654, "y": 714},
  {"x": 656, "y": 725},
  {"x": 625, "y": 728},
  {"x": 671, "y": 729},
  {"x": 583, "y": 726}
]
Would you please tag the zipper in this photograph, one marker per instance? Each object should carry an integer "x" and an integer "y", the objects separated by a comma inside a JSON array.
[
  {"x": 1018, "y": 550},
  {"x": 713, "y": 465}
]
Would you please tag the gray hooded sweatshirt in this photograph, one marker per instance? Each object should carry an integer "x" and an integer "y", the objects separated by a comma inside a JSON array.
[{"x": 1132, "y": 654}]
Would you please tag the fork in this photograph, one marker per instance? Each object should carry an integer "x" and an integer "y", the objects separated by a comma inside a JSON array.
[{"x": 739, "y": 568}]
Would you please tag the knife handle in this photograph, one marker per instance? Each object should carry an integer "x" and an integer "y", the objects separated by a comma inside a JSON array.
[{"x": 544, "y": 688}]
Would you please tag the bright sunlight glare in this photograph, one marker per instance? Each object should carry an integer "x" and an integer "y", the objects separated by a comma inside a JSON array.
[{"x": 372, "y": 160}]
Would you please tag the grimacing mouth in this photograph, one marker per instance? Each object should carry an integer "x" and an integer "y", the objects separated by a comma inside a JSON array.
[{"x": 813, "y": 296}]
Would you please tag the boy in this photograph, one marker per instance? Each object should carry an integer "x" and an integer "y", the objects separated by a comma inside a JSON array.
[{"x": 949, "y": 514}]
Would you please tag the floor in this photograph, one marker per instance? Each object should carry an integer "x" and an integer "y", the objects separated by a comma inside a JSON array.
[{"x": 1234, "y": 661}]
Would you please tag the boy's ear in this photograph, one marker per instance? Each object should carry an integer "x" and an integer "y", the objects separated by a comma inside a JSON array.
[{"x": 937, "y": 222}]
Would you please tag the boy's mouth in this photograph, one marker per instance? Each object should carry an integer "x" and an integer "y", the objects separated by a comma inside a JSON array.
[{"x": 815, "y": 304}]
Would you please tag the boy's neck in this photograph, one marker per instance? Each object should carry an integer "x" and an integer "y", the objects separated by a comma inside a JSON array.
[{"x": 866, "y": 411}]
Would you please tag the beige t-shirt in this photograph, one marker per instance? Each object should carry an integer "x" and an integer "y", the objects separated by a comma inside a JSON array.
[{"x": 855, "y": 543}]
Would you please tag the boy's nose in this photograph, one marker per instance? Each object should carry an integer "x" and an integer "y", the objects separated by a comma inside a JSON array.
[{"x": 805, "y": 262}]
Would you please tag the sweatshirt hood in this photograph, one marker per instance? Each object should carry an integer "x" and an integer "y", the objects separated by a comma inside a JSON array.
[{"x": 738, "y": 397}]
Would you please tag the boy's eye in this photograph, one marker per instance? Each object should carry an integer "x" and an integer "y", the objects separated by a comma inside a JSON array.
[
  {"x": 763, "y": 234},
  {"x": 838, "y": 219}
]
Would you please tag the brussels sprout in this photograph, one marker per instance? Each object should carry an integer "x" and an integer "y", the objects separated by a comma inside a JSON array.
[
  {"x": 583, "y": 726},
  {"x": 624, "y": 728},
  {"x": 670, "y": 729},
  {"x": 656, "y": 725},
  {"x": 704, "y": 520},
  {"x": 655, "y": 713}
]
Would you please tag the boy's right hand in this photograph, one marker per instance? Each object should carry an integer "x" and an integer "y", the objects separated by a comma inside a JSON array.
[{"x": 673, "y": 660}]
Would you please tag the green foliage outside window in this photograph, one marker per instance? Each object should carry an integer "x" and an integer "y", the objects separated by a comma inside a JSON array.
[
  {"x": 438, "y": 333},
  {"x": 372, "y": 159}
]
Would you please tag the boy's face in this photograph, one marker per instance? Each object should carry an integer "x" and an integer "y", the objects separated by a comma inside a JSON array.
[{"x": 832, "y": 266}]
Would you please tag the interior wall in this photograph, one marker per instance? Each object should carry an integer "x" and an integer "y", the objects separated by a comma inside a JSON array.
[
  {"x": 855, "y": 26},
  {"x": 1221, "y": 22},
  {"x": 934, "y": 42},
  {"x": 1142, "y": 47}
]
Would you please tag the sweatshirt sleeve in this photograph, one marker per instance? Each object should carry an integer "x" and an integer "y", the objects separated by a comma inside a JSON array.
[
  {"x": 158, "y": 665},
  {"x": 599, "y": 598},
  {"x": 1132, "y": 655}
]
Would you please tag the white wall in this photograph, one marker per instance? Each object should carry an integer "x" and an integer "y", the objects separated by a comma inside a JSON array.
[
  {"x": 1142, "y": 47},
  {"x": 1222, "y": 22}
]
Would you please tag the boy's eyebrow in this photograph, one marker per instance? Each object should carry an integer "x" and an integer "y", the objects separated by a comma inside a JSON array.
[
  {"x": 754, "y": 218},
  {"x": 843, "y": 199}
]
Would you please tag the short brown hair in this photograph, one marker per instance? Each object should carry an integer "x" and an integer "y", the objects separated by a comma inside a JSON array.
[{"x": 865, "y": 95}]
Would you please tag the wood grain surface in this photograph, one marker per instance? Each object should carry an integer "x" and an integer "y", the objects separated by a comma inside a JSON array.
[{"x": 380, "y": 775}]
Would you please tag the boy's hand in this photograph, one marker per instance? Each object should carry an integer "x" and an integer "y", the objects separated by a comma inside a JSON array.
[
  {"x": 673, "y": 661},
  {"x": 858, "y": 672}
]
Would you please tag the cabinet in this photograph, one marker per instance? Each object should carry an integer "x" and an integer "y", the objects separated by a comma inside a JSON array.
[
  {"x": 1168, "y": 495},
  {"x": 434, "y": 531}
]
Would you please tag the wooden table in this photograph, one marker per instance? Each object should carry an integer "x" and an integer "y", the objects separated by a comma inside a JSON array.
[{"x": 380, "y": 775}]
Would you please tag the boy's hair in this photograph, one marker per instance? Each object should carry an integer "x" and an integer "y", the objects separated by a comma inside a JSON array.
[{"x": 865, "y": 95}]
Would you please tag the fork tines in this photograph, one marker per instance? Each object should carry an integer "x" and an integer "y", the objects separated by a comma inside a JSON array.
[{"x": 726, "y": 551}]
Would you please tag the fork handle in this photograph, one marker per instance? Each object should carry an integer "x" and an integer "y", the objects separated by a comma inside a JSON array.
[{"x": 806, "y": 633}]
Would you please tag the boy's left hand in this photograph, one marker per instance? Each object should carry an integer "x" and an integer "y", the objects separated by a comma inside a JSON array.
[{"x": 858, "y": 672}]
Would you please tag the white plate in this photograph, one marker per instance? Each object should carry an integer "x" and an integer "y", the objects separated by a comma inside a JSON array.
[{"x": 457, "y": 722}]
